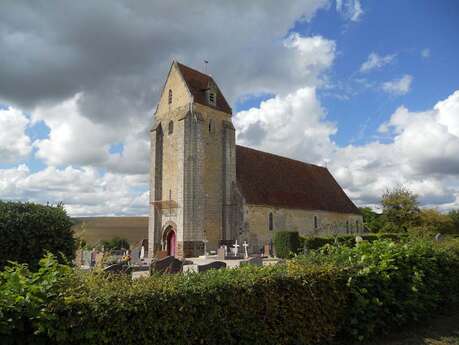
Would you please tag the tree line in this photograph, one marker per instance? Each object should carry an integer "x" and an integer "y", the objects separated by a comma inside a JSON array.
[{"x": 401, "y": 212}]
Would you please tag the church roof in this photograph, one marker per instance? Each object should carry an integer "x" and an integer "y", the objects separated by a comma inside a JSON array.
[
  {"x": 198, "y": 83},
  {"x": 267, "y": 179}
]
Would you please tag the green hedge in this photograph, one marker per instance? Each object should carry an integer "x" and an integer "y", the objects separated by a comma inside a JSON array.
[
  {"x": 286, "y": 243},
  {"x": 28, "y": 231},
  {"x": 348, "y": 240},
  {"x": 346, "y": 293}
]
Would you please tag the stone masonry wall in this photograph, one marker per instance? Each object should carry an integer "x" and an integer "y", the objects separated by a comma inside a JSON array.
[{"x": 256, "y": 231}]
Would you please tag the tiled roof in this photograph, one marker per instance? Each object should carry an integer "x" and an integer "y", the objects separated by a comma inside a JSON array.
[
  {"x": 198, "y": 83},
  {"x": 267, "y": 179}
]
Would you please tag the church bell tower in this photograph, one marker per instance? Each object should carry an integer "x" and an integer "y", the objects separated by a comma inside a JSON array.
[{"x": 192, "y": 166}]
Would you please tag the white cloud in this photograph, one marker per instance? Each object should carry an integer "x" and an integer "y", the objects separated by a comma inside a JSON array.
[
  {"x": 84, "y": 191},
  {"x": 350, "y": 9},
  {"x": 76, "y": 140},
  {"x": 423, "y": 155},
  {"x": 293, "y": 125},
  {"x": 14, "y": 142},
  {"x": 398, "y": 86},
  {"x": 375, "y": 61}
]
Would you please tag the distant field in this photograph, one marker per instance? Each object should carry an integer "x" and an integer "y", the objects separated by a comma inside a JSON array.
[{"x": 95, "y": 229}]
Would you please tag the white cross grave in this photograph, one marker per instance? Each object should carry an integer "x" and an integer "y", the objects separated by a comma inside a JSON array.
[
  {"x": 205, "y": 246},
  {"x": 245, "y": 245},
  {"x": 236, "y": 248}
]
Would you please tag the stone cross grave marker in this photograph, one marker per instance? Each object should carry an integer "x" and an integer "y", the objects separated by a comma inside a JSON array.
[
  {"x": 245, "y": 245},
  {"x": 236, "y": 248},
  {"x": 205, "y": 246}
]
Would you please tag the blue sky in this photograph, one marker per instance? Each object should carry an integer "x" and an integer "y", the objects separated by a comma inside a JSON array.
[{"x": 367, "y": 88}]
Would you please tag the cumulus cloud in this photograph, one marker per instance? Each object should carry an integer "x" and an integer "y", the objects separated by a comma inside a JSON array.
[
  {"x": 398, "y": 86},
  {"x": 14, "y": 142},
  {"x": 375, "y": 61},
  {"x": 116, "y": 54},
  {"x": 423, "y": 155},
  {"x": 293, "y": 125},
  {"x": 76, "y": 140},
  {"x": 84, "y": 191}
]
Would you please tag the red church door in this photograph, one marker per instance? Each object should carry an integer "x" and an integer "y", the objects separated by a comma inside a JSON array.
[{"x": 171, "y": 243}]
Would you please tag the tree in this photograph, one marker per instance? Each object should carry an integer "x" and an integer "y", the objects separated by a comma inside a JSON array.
[
  {"x": 436, "y": 222},
  {"x": 454, "y": 216},
  {"x": 373, "y": 221},
  {"x": 28, "y": 231},
  {"x": 400, "y": 210}
]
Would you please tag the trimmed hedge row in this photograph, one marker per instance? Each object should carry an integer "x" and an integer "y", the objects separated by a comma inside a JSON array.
[
  {"x": 341, "y": 291},
  {"x": 348, "y": 240}
]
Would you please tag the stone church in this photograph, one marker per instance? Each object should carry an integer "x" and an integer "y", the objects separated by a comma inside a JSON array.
[{"x": 206, "y": 189}]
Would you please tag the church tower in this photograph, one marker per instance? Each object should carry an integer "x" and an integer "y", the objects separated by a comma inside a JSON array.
[{"x": 193, "y": 168}]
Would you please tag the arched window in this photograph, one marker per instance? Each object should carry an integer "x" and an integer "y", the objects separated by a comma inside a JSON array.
[
  {"x": 316, "y": 222},
  {"x": 170, "y": 97},
  {"x": 357, "y": 226},
  {"x": 171, "y": 127},
  {"x": 270, "y": 221},
  {"x": 347, "y": 226}
]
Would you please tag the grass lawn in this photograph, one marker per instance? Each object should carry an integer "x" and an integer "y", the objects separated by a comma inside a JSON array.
[{"x": 443, "y": 330}]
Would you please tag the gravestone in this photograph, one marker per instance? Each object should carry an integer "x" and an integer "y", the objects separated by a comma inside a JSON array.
[
  {"x": 267, "y": 250},
  {"x": 221, "y": 253},
  {"x": 169, "y": 264},
  {"x": 215, "y": 265},
  {"x": 256, "y": 261}
]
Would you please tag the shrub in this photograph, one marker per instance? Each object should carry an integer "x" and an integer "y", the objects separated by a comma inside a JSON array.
[
  {"x": 25, "y": 297},
  {"x": 28, "y": 231},
  {"x": 286, "y": 243},
  {"x": 347, "y": 240},
  {"x": 250, "y": 305}
]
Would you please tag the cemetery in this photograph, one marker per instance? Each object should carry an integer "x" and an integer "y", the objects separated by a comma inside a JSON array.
[{"x": 349, "y": 289}]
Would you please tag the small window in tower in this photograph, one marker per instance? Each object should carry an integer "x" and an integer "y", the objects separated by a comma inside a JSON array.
[
  {"x": 212, "y": 98},
  {"x": 316, "y": 222},
  {"x": 211, "y": 126},
  {"x": 171, "y": 127},
  {"x": 270, "y": 221},
  {"x": 170, "y": 97}
]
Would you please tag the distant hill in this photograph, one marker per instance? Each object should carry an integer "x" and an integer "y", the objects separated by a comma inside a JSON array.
[{"x": 95, "y": 229}]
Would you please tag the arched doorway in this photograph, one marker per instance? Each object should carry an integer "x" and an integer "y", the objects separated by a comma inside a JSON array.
[{"x": 170, "y": 241}]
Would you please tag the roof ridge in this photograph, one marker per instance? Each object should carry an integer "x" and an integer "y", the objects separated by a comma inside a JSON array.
[{"x": 283, "y": 157}]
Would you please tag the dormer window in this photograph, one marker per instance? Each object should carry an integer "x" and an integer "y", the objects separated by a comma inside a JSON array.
[{"x": 170, "y": 97}]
